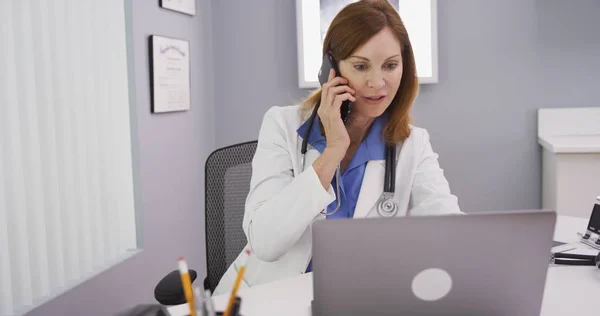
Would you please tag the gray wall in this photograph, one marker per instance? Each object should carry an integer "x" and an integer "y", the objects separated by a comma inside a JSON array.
[
  {"x": 490, "y": 68},
  {"x": 499, "y": 62},
  {"x": 172, "y": 150}
]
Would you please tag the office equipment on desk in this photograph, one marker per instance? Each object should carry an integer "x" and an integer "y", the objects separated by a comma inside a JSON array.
[
  {"x": 575, "y": 259},
  {"x": 183, "y": 310},
  {"x": 203, "y": 305},
  {"x": 187, "y": 286},
  {"x": 593, "y": 227},
  {"x": 469, "y": 262}
]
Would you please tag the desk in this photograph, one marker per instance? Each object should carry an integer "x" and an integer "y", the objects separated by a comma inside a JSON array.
[{"x": 568, "y": 288}]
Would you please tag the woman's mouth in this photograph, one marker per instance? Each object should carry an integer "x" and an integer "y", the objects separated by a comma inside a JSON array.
[{"x": 374, "y": 99}]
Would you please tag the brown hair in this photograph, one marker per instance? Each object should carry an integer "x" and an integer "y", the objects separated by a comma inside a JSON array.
[{"x": 352, "y": 27}]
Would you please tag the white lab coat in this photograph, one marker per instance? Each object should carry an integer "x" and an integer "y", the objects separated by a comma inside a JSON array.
[{"x": 284, "y": 200}]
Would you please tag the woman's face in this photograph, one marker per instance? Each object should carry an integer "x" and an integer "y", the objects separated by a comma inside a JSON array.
[{"x": 374, "y": 71}]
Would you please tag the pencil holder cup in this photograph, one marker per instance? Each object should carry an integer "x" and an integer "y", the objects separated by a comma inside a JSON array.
[{"x": 235, "y": 309}]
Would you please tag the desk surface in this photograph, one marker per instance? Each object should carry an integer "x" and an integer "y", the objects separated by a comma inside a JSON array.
[{"x": 568, "y": 288}]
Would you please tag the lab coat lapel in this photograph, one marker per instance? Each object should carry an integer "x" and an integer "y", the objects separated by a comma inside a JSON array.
[{"x": 371, "y": 187}]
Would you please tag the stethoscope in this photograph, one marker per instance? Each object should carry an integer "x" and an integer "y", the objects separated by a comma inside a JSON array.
[{"x": 386, "y": 206}]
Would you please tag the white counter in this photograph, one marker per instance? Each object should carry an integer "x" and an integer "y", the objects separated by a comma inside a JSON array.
[
  {"x": 571, "y": 143},
  {"x": 570, "y": 139}
]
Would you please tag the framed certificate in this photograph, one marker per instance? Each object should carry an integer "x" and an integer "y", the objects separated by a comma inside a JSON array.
[
  {"x": 183, "y": 6},
  {"x": 169, "y": 74}
]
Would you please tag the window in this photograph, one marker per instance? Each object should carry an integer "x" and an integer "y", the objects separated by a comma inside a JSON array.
[
  {"x": 67, "y": 207},
  {"x": 313, "y": 19}
]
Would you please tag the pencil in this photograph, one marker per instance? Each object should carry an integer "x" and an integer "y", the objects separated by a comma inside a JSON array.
[
  {"x": 187, "y": 286},
  {"x": 236, "y": 286}
]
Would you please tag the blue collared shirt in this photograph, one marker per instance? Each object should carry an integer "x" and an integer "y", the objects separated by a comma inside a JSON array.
[{"x": 371, "y": 148}]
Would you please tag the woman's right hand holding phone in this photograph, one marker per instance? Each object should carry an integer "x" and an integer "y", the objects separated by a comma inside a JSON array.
[{"x": 334, "y": 92}]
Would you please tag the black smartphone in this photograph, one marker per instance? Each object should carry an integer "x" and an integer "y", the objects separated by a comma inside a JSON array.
[{"x": 327, "y": 64}]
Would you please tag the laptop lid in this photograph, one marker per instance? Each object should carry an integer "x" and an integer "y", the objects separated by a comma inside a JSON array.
[{"x": 492, "y": 263}]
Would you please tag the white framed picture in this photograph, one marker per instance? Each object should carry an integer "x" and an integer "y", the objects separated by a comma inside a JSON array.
[
  {"x": 183, "y": 6},
  {"x": 314, "y": 16},
  {"x": 169, "y": 74}
]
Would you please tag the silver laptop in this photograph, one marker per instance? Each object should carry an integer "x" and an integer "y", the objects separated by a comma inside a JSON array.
[{"x": 475, "y": 264}]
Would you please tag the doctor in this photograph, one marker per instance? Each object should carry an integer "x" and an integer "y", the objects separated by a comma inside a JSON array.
[{"x": 378, "y": 75}]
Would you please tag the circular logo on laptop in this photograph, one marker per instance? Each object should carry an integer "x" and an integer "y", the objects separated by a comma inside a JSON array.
[{"x": 431, "y": 284}]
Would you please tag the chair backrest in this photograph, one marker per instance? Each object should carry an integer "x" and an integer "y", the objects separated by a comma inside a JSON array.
[{"x": 227, "y": 182}]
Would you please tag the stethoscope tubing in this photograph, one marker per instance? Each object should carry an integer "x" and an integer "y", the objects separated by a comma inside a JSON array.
[{"x": 389, "y": 184}]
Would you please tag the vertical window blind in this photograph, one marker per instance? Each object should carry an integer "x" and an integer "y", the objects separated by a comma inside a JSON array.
[{"x": 66, "y": 179}]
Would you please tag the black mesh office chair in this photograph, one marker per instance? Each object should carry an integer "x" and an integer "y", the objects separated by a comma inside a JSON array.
[
  {"x": 227, "y": 181},
  {"x": 226, "y": 184}
]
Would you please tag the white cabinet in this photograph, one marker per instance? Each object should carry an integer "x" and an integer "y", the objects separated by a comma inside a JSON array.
[{"x": 570, "y": 139}]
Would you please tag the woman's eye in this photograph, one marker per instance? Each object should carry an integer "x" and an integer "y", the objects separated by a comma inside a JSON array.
[
  {"x": 360, "y": 67},
  {"x": 391, "y": 66}
]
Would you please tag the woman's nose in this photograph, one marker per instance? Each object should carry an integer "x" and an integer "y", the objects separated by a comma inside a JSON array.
[{"x": 375, "y": 80}]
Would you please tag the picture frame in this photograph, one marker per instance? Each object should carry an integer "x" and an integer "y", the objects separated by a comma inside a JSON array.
[
  {"x": 184, "y": 6},
  {"x": 170, "y": 75},
  {"x": 419, "y": 17}
]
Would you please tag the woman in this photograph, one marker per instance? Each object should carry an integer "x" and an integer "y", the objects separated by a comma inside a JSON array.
[{"x": 377, "y": 74}]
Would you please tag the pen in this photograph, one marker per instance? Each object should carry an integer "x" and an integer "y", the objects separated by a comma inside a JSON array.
[
  {"x": 236, "y": 286},
  {"x": 198, "y": 301},
  {"x": 187, "y": 285},
  {"x": 208, "y": 304}
]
